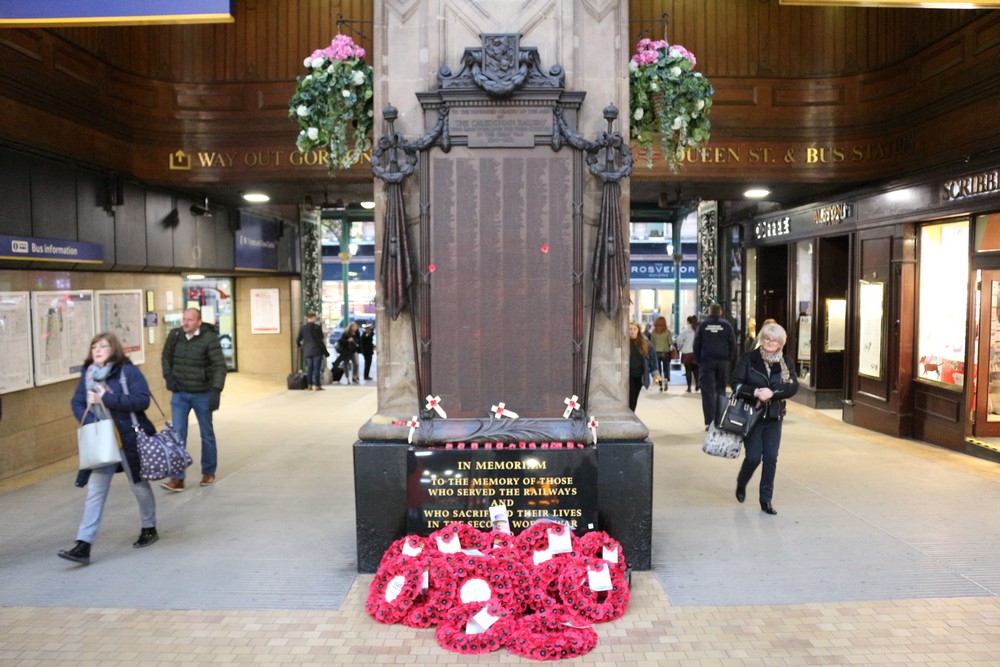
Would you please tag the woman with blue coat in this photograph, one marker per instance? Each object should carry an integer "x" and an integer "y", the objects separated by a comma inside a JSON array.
[{"x": 112, "y": 387}]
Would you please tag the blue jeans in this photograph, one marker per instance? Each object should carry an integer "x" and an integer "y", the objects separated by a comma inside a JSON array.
[
  {"x": 181, "y": 405},
  {"x": 762, "y": 445},
  {"x": 314, "y": 370}
]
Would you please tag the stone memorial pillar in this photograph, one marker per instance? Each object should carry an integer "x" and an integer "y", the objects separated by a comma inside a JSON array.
[{"x": 502, "y": 251}]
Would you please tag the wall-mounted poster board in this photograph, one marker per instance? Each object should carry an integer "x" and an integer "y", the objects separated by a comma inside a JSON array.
[
  {"x": 62, "y": 326},
  {"x": 265, "y": 311},
  {"x": 120, "y": 312},
  {"x": 870, "y": 301},
  {"x": 805, "y": 338},
  {"x": 836, "y": 325},
  {"x": 15, "y": 342}
]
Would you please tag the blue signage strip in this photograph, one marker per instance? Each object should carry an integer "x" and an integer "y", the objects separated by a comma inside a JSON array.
[
  {"x": 257, "y": 244},
  {"x": 50, "y": 250},
  {"x": 662, "y": 270},
  {"x": 51, "y": 13}
]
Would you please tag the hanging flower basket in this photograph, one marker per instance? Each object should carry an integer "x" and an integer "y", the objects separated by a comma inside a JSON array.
[
  {"x": 333, "y": 103},
  {"x": 668, "y": 100}
]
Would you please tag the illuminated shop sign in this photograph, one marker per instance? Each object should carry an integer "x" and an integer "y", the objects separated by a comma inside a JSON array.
[
  {"x": 833, "y": 215},
  {"x": 769, "y": 228},
  {"x": 50, "y": 250},
  {"x": 987, "y": 182}
]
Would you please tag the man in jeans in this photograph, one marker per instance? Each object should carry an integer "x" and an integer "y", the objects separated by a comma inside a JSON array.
[{"x": 195, "y": 370}]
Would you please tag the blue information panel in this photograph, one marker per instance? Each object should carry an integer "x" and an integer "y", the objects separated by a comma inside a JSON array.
[
  {"x": 50, "y": 250},
  {"x": 50, "y": 13}
]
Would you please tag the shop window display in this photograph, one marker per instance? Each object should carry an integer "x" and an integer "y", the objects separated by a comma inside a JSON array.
[
  {"x": 943, "y": 302},
  {"x": 803, "y": 300}
]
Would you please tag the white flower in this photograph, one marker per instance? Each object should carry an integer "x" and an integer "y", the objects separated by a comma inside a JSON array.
[
  {"x": 639, "y": 113},
  {"x": 633, "y": 65},
  {"x": 675, "y": 71},
  {"x": 308, "y": 78},
  {"x": 700, "y": 104},
  {"x": 302, "y": 110},
  {"x": 357, "y": 78},
  {"x": 312, "y": 133},
  {"x": 307, "y": 62},
  {"x": 676, "y": 125},
  {"x": 654, "y": 86},
  {"x": 318, "y": 62},
  {"x": 345, "y": 92}
]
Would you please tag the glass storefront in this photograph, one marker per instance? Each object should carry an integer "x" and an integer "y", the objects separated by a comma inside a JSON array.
[
  {"x": 804, "y": 305},
  {"x": 943, "y": 302}
]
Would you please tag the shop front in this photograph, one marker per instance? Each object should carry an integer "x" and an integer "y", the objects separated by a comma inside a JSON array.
[{"x": 891, "y": 300}]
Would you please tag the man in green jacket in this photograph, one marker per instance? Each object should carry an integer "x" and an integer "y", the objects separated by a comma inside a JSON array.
[{"x": 195, "y": 370}]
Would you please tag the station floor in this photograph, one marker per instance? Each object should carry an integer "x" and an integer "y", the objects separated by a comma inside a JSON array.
[{"x": 884, "y": 552}]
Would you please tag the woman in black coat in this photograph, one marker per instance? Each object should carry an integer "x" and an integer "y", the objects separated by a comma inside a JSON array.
[{"x": 765, "y": 376}]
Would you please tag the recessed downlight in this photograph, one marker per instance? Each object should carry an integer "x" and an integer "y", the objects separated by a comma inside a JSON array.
[
  {"x": 256, "y": 197},
  {"x": 195, "y": 276},
  {"x": 756, "y": 193},
  {"x": 368, "y": 205}
]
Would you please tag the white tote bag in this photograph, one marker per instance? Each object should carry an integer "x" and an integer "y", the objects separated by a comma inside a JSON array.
[{"x": 98, "y": 443}]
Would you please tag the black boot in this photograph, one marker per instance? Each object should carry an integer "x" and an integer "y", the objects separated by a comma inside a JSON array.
[
  {"x": 146, "y": 537},
  {"x": 78, "y": 554}
]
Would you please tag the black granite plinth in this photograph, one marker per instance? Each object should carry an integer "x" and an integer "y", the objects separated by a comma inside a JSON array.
[{"x": 624, "y": 483}]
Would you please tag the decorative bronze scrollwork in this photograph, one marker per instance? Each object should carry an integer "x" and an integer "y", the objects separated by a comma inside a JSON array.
[{"x": 501, "y": 67}]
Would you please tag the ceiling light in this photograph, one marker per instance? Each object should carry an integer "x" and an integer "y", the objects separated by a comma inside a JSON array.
[
  {"x": 756, "y": 193},
  {"x": 256, "y": 197},
  {"x": 368, "y": 205},
  {"x": 195, "y": 276}
]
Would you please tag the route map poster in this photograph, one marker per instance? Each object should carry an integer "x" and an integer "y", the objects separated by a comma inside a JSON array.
[
  {"x": 15, "y": 342},
  {"x": 62, "y": 328},
  {"x": 120, "y": 312}
]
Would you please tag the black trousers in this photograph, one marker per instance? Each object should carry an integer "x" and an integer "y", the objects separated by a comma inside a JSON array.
[
  {"x": 712, "y": 377},
  {"x": 762, "y": 447}
]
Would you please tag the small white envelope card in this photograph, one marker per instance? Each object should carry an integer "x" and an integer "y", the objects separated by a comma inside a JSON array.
[
  {"x": 599, "y": 580},
  {"x": 560, "y": 544}
]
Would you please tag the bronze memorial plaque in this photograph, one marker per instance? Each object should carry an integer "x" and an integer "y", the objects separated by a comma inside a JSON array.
[
  {"x": 502, "y": 304},
  {"x": 500, "y": 126}
]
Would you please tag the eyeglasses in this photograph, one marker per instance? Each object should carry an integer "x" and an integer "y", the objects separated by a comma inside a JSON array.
[
  {"x": 100, "y": 346},
  {"x": 768, "y": 339}
]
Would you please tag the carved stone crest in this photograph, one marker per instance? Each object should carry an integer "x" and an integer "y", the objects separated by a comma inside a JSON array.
[{"x": 500, "y": 67}]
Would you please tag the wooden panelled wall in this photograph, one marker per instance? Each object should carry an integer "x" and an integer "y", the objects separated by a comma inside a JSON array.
[
  {"x": 124, "y": 98},
  {"x": 731, "y": 38}
]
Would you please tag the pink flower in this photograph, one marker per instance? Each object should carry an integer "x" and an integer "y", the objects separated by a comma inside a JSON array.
[{"x": 679, "y": 50}]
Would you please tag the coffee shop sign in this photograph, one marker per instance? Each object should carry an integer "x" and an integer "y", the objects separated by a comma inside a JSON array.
[{"x": 774, "y": 227}]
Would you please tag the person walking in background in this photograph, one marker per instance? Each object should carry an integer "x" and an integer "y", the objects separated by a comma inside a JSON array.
[
  {"x": 111, "y": 387},
  {"x": 195, "y": 371},
  {"x": 642, "y": 363},
  {"x": 367, "y": 348},
  {"x": 685, "y": 343},
  {"x": 347, "y": 348},
  {"x": 767, "y": 376},
  {"x": 715, "y": 350},
  {"x": 313, "y": 345},
  {"x": 662, "y": 341}
]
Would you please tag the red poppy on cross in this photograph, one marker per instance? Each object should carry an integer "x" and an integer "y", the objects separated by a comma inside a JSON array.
[
  {"x": 500, "y": 410},
  {"x": 571, "y": 405},
  {"x": 434, "y": 403},
  {"x": 413, "y": 424},
  {"x": 592, "y": 425}
]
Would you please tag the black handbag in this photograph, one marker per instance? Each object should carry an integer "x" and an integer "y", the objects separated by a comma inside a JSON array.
[{"x": 737, "y": 415}]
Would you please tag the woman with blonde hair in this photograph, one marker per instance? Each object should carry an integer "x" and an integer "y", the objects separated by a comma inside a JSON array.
[
  {"x": 764, "y": 376},
  {"x": 662, "y": 342},
  {"x": 642, "y": 363}
]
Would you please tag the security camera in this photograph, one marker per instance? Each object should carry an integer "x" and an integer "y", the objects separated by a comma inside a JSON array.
[{"x": 198, "y": 210}]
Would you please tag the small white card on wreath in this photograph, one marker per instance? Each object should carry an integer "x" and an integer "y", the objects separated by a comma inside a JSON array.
[
  {"x": 610, "y": 555},
  {"x": 599, "y": 580},
  {"x": 560, "y": 543},
  {"x": 452, "y": 546}
]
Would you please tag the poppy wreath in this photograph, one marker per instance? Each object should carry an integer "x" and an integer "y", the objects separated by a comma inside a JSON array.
[
  {"x": 467, "y": 536},
  {"x": 518, "y": 578},
  {"x": 476, "y": 575},
  {"x": 536, "y": 538},
  {"x": 494, "y": 539},
  {"x": 596, "y": 606},
  {"x": 452, "y": 635},
  {"x": 395, "y": 550},
  {"x": 430, "y": 607},
  {"x": 394, "y": 589},
  {"x": 545, "y": 585},
  {"x": 546, "y": 636},
  {"x": 592, "y": 545}
]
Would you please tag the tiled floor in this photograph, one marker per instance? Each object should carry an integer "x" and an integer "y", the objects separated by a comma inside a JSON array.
[{"x": 884, "y": 552}]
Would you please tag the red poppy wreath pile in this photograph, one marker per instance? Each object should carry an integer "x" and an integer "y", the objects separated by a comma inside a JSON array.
[{"x": 535, "y": 594}]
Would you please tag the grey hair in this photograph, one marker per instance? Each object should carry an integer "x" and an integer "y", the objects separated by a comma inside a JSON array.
[{"x": 774, "y": 331}]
